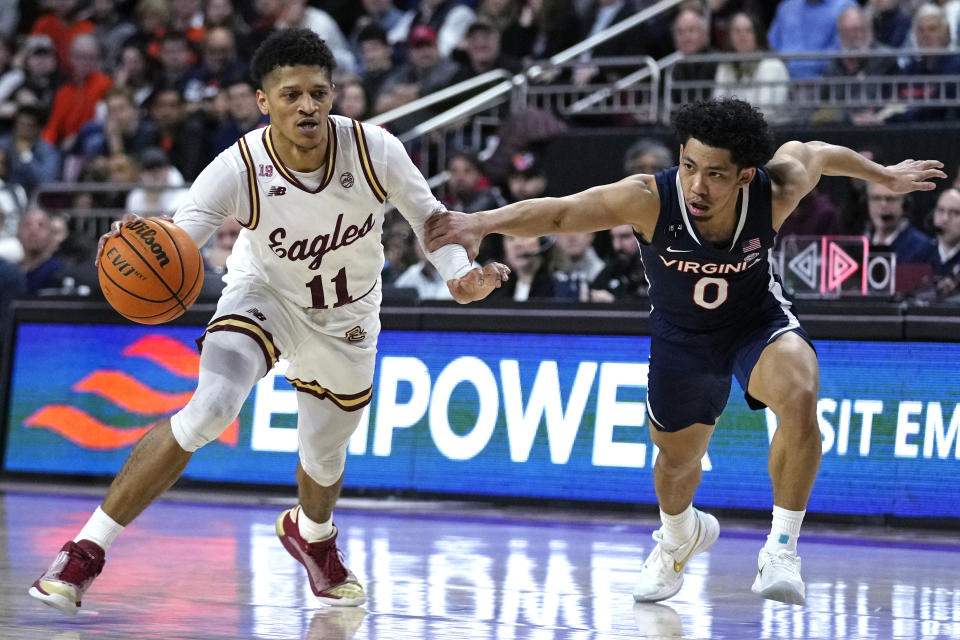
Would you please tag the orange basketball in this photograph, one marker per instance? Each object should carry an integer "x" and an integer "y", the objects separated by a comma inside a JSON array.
[{"x": 151, "y": 272}]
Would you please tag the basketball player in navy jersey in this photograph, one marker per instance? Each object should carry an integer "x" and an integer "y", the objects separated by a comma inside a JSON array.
[{"x": 705, "y": 230}]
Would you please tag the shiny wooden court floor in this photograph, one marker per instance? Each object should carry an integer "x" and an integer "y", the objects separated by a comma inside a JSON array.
[{"x": 199, "y": 569}]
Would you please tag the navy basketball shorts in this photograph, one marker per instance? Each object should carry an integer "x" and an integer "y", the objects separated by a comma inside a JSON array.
[{"x": 691, "y": 373}]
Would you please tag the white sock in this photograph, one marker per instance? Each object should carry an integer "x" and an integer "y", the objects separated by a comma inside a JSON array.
[
  {"x": 785, "y": 529},
  {"x": 313, "y": 531},
  {"x": 101, "y": 529},
  {"x": 679, "y": 528}
]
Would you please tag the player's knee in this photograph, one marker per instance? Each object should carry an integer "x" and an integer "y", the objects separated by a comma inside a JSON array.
[
  {"x": 326, "y": 470},
  {"x": 678, "y": 462},
  {"x": 203, "y": 420}
]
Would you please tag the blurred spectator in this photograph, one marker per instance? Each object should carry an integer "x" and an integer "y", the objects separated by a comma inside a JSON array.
[
  {"x": 177, "y": 61},
  {"x": 425, "y": 278},
  {"x": 215, "y": 257},
  {"x": 377, "y": 57},
  {"x": 802, "y": 26},
  {"x": 398, "y": 251},
  {"x": 527, "y": 178},
  {"x": 691, "y": 38},
  {"x": 11, "y": 77},
  {"x": 931, "y": 31},
  {"x": 30, "y": 159},
  {"x": 243, "y": 116},
  {"x": 891, "y": 24},
  {"x": 122, "y": 131},
  {"x": 523, "y": 130},
  {"x": 951, "y": 11},
  {"x": 62, "y": 23},
  {"x": 816, "y": 215},
  {"x": 40, "y": 264},
  {"x": 135, "y": 72},
  {"x": 111, "y": 29},
  {"x": 13, "y": 202},
  {"x": 722, "y": 11},
  {"x": 946, "y": 259},
  {"x": 855, "y": 35},
  {"x": 600, "y": 15},
  {"x": 380, "y": 13},
  {"x": 482, "y": 46},
  {"x": 448, "y": 18},
  {"x": 622, "y": 278},
  {"x": 296, "y": 13},
  {"x": 467, "y": 189},
  {"x": 152, "y": 19},
  {"x": 528, "y": 259},
  {"x": 350, "y": 99},
  {"x": 219, "y": 65},
  {"x": 575, "y": 265},
  {"x": 544, "y": 28},
  {"x": 182, "y": 135},
  {"x": 13, "y": 284},
  {"x": 39, "y": 80},
  {"x": 763, "y": 83},
  {"x": 223, "y": 13},
  {"x": 648, "y": 156},
  {"x": 163, "y": 188},
  {"x": 186, "y": 17},
  {"x": 890, "y": 227},
  {"x": 424, "y": 72},
  {"x": 75, "y": 102},
  {"x": 504, "y": 15},
  {"x": 120, "y": 168}
]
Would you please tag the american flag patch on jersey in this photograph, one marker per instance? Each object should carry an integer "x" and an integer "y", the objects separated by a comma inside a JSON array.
[{"x": 751, "y": 245}]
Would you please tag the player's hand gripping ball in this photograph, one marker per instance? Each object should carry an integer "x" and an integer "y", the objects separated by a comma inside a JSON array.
[{"x": 150, "y": 272}]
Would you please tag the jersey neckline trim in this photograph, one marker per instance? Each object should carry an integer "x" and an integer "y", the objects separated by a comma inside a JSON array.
[{"x": 288, "y": 174}]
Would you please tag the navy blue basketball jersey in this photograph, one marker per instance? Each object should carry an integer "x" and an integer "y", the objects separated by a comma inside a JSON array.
[{"x": 700, "y": 287}]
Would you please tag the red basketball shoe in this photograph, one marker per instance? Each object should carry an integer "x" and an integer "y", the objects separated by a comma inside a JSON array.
[
  {"x": 72, "y": 571},
  {"x": 330, "y": 580}
]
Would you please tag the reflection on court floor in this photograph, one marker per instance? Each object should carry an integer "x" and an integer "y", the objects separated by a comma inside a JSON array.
[{"x": 202, "y": 570}]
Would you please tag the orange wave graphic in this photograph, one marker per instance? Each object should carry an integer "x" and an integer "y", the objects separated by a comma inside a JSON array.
[
  {"x": 167, "y": 353},
  {"x": 130, "y": 394},
  {"x": 86, "y": 431}
]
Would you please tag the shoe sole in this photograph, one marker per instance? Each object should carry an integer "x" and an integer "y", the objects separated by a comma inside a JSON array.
[
  {"x": 55, "y": 600},
  {"x": 295, "y": 552},
  {"x": 781, "y": 592}
]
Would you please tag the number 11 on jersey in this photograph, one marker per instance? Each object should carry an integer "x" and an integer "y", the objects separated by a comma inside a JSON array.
[{"x": 340, "y": 286}]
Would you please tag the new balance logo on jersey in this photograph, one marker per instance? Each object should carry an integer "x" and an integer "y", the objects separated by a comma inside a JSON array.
[
  {"x": 256, "y": 314},
  {"x": 276, "y": 191}
]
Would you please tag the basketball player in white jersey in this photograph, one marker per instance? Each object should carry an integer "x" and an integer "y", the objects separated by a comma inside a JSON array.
[{"x": 302, "y": 283}]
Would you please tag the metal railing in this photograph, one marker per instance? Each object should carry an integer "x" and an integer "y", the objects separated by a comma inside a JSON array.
[
  {"x": 636, "y": 93},
  {"x": 805, "y": 98}
]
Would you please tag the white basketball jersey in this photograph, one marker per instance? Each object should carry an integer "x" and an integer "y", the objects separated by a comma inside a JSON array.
[{"x": 318, "y": 247}]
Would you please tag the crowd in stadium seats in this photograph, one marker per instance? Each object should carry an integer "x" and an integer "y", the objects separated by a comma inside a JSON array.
[{"x": 149, "y": 91}]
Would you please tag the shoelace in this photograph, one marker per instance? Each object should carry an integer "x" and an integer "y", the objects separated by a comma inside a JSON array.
[
  {"x": 82, "y": 566},
  {"x": 783, "y": 559},
  {"x": 331, "y": 562}
]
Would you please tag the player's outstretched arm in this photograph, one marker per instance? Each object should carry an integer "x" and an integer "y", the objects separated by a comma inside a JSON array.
[
  {"x": 797, "y": 167},
  {"x": 633, "y": 201}
]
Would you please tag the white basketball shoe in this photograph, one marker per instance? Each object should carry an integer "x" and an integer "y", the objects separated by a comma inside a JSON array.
[
  {"x": 662, "y": 574},
  {"x": 778, "y": 577}
]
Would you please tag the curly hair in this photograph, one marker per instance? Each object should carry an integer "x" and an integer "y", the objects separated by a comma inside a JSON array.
[
  {"x": 290, "y": 47},
  {"x": 727, "y": 123}
]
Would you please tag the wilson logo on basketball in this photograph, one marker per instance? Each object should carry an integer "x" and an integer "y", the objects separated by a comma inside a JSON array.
[
  {"x": 148, "y": 237},
  {"x": 276, "y": 191},
  {"x": 128, "y": 394}
]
